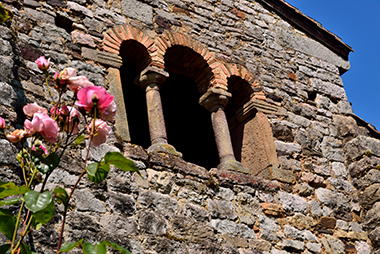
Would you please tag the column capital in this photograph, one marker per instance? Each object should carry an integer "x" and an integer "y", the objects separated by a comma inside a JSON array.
[
  {"x": 152, "y": 76},
  {"x": 214, "y": 98}
]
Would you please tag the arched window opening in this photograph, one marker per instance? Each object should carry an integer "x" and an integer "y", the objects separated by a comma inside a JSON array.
[
  {"x": 135, "y": 59},
  {"x": 188, "y": 123},
  {"x": 186, "y": 62}
]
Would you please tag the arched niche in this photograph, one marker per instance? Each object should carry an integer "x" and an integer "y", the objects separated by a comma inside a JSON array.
[{"x": 250, "y": 130}]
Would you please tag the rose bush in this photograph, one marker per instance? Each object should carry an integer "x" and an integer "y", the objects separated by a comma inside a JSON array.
[{"x": 46, "y": 136}]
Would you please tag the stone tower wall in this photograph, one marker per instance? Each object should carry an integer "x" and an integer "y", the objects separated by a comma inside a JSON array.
[{"x": 323, "y": 197}]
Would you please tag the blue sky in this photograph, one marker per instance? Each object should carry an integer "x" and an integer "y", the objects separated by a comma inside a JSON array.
[{"x": 358, "y": 24}]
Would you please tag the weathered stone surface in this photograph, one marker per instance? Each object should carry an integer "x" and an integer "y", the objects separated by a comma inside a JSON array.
[
  {"x": 82, "y": 38},
  {"x": 231, "y": 228},
  {"x": 374, "y": 235},
  {"x": 371, "y": 194},
  {"x": 314, "y": 247},
  {"x": 151, "y": 223},
  {"x": 221, "y": 209},
  {"x": 7, "y": 94},
  {"x": 7, "y": 153},
  {"x": 157, "y": 201},
  {"x": 287, "y": 148},
  {"x": 80, "y": 9},
  {"x": 332, "y": 245},
  {"x": 292, "y": 203},
  {"x": 86, "y": 201},
  {"x": 330, "y": 198},
  {"x": 362, "y": 145},
  {"x": 292, "y": 245},
  {"x": 273, "y": 209},
  {"x": 137, "y": 10},
  {"x": 362, "y": 248}
]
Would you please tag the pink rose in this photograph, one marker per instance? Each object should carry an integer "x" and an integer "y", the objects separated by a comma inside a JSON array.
[
  {"x": 109, "y": 113},
  {"x": 77, "y": 82},
  {"x": 102, "y": 130},
  {"x": 62, "y": 111},
  {"x": 32, "y": 108},
  {"x": 16, "y": 135},
  {"x": 42, "y": 63},
  {"x": 67, "y": 73},
  {"x": 94, "y": 95},
  {"x": 2, "y": 123},
  {"x": 44, "y": 125}
]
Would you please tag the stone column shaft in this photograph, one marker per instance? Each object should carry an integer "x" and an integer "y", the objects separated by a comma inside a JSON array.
[
  {"x": 214, "y": 100},
  {"x": 151, "y": 79},
  {"x": 222, "y": 135},
  {"x": 156, "y": 120}
]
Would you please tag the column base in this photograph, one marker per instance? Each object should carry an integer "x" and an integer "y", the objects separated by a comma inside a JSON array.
[
  {"x": 164, "y": 148},
  {"x": 233, "y": 165}
]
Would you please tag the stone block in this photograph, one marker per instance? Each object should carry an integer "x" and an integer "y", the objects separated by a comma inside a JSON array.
[
  {"x": 79, "y": 9},
  {"x": 287, "y": 148},
  {"x": 221, "y": 209},
  {"x": 7, "y": 95},
  {"x": 371, "y": 194},
  {"x": 82, "y": 38},
  {"x": 360, "y": 146},
  {"x": 86, "y": 201},
  {"x": 7, "y": 152},
  {"x": 137, "y": 10},
  {"x": 232, "y": 228},
  {"x": 374, "y": 236},
  {"x": 282, "y": 175},
  {"x": 152, "y": 223},
  {"x": 327, "y": 222},
  {"x": 292, "y": 245},
  {"x": 272, "y": 209},
  {"x": 292, "y": 202}
]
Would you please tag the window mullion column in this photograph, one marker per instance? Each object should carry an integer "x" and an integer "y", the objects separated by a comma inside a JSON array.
[
  {"x": 215, "y": 100},
  {"x": 151, "y": 79}
]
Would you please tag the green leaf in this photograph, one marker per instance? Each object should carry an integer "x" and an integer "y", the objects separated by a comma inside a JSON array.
[
  {"x": 36, "y": 201},
  {"x": 61, "y": 196},
  {"x": 11, "y": 189},
  {"x": 79, "y": 140},
  {"x": 99, "y": 248},
  {"x": 5, "y": 14},
  {"x": 97, "y": 171},
  {"x": 45, "y": 215},
  {"x": 7, "y": 225},
  {"x": 70, "y": 245},
  {"x": 118, "y": 160},
  {"x": 5, "y": 249},
  {"x": 117, "y": 247},
  {"x": 10, "y": 201}
]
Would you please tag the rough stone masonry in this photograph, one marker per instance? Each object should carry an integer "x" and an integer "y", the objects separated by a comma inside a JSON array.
[{"x": 324, "y": 194}]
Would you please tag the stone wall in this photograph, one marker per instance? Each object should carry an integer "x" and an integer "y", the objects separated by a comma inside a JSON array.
[{"x": 325, "y": 197}]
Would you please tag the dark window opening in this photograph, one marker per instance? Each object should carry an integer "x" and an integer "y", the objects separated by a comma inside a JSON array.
[
  {"x": 188, "y": 124},
  {"x": 135, "y": 59}
]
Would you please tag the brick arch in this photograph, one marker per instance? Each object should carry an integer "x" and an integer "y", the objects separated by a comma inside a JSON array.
[
  {"x": 243, "y": 73},
  {"x": 115, "y": 36},
  {"x": 169, "y": 39}
]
